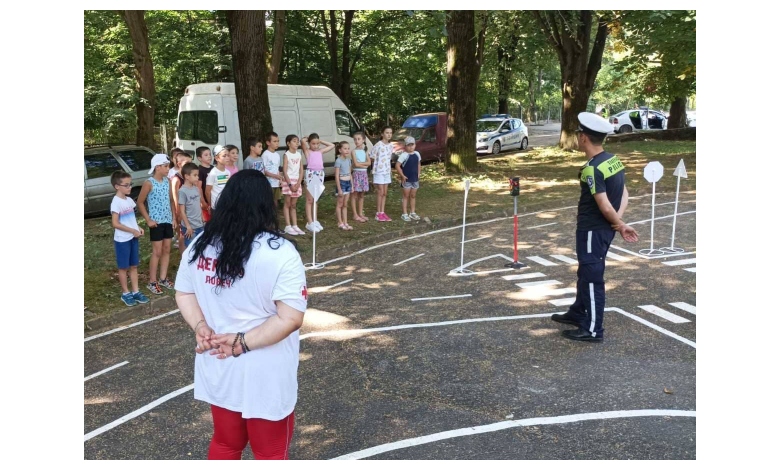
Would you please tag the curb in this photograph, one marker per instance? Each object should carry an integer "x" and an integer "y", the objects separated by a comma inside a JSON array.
[{"x": 137, "y": 312}]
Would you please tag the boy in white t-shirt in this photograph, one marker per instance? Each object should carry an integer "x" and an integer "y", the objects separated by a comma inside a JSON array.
[
  {"x": 217, "y": 179},
  {"x": 126, "y": 234},
  {"x": 272, "y": 161}
]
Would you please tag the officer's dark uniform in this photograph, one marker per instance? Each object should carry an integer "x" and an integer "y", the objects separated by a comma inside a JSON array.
[{"x": 604, "y": 173}]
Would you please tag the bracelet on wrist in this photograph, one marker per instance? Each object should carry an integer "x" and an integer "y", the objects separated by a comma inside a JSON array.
[
  {"x": 199, "y": 322},
  {"x": 233, "y": 347}
]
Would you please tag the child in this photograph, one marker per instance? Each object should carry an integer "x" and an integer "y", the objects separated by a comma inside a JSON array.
[
  {"x": 314, "y": 169},
  {"x": 172, "y": 167},
  {"x": 218, "y": 178},
  {"x": 189, "y": 205},
  {"x": 177, "y": 181},
  {"x": 408, "y": 167},
  {"x": 126, "y": 234},
  {"x": 292, "y": 185},
  {"x": 359, "y": 176},
  {"x": 159, "y": 219},
  {"x": 381, "y": 153},
  {"x": 232, "y": 163},
  {"x": 204, "y": 158},
  {"x": 253, "y": 160},
  {"x": 271, "y": 163},
  {"x": 343, "y": 167}
]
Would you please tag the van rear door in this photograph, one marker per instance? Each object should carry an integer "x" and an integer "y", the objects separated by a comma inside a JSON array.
[
  {"x": 284, "y": 112},
  {"x": 316, "y": 115},
  {"x": 199, "y": 119}
]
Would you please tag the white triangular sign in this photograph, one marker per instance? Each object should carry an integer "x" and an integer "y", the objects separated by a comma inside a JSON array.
[
  {"x": 680, "y": 170},
  {"x": 467, "y": 184},
  {"x": 316, "y": 188}
]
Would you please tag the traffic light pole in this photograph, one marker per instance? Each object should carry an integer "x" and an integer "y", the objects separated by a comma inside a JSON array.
[{"x": 514, "y": 190}]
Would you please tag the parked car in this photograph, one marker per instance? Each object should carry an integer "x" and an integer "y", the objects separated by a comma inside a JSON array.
[
  {"x": 430, "y": 132},
  {"x": 501, "y": 132},
  {"x": 631, "y": 120},
  {"x": 101, "y": 161}
]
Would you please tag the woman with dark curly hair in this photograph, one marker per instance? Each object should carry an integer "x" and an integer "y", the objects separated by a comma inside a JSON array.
[{"x": 241, "y": 278}]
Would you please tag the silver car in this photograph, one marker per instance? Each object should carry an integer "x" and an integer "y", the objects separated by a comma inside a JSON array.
[
  {"x": 501, "y": 132},
  {"x": 101, "y": 161}
]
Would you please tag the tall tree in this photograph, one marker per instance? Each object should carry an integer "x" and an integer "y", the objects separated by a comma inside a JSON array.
[
  {"x": 462, "y": 75},
  {"x": 144, "y": 76},
  {"x": 569, "y": 32},
  {"x": 280, "y": 29},
  {"x": 247, "y": 37}
]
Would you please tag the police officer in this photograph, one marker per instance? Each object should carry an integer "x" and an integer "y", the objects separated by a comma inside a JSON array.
[{"x": 602, "y": 202}]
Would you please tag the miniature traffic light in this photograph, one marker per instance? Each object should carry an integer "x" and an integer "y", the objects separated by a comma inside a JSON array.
[{"x": 514, "y": 186}]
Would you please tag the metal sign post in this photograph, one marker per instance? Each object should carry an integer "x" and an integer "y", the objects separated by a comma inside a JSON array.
[
  {"x": 653, "y": 172},
  {"x": 316, "y": 189},
  {"x": 679, "y": 172},
  {"x": 514, "y": 190}
]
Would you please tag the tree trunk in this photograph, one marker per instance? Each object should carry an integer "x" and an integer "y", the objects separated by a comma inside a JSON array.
[
  {"x": 247, "y": 37},
  {"x": 332, "y": 40},
  {"x": 280, "y": 29},
  {"x": 461, "y": 91},
  {"x": 144, "y": 76},
  {"x": 346, "y": 73},
  {"x": 569, "y": 34},
  {"x": 678, "y": 118},
  {"x": 504, "y": 75}
]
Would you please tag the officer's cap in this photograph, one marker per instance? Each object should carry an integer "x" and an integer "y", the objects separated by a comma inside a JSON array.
[{"x": 594, "y": 125}]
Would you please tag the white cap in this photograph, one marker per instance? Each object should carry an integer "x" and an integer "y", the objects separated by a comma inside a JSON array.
[
  {"x": 409, "y": 140},
  {"x": 217, "y": 149},
  {"x": 158, "y": 159},
  {"x": 594, "y": 125}
]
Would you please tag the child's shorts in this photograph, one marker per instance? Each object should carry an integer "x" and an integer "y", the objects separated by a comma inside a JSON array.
[
  {"x": 126, "y": 253},
  {"x": 360, "y": 181},
  {"x": 195, "y": 233},
  {"x": 411, "y": 185},
  {"x": 288, "y": 192},
  {"x": 277, "y": 193},
  {"x": 161, "y": 232},
  {"x": 346, "y": 186},
  {"x": 381, "y": 178}
]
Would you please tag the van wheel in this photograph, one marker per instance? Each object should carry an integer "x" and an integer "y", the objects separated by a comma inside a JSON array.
[
  {"x": 626, "y": 129},
  {"x": 496, "y": 147},
  {"x": 524, "y": 143}
]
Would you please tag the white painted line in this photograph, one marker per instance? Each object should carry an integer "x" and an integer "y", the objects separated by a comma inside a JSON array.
[
  {"x": 317, "y": 290},
  {"x": 501, "y": 425},
  {"x": 565, "y": 290},
  {"x": 640, "y": 255},
  {"x": 475, "y": 239},
  {"x": 537, "y": 284},
  {"x": 664, "y": 314},
  {"x": 680, "y": 262},
  {"x": 90, "y": 338},
  {"x": 520, "y": 277},
  {"x": 105, "y": 370},
  {"x": 684, "y": 306},
  {"x": 480, "y": 273},
  {"x": 672, "y": 202},
  {"x": 691, "y": 270},
  {"x": 422, "y": 325},
  {"x": 542, "y": 261},
  {"x": 652, "y": 325},
  {"x": 617, "y": 257},
  {"x": 439, "y": 298},
  {"x": 563, "y": 302},
  {"x": 659, "y": 218},
  {"x": 413, "y": 257},
  {"x": 545, "y": 225},
  {"x": 565, "y": 259},
  {"x": 137, "y": 412},
  {"x": 485, "y": 258}
]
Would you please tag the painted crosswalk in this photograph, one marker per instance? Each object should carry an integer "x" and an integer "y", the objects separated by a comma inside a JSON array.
[
  {"x": 564, "y": 258},
  {"x": 691, "y": 270},
  {"x": 680, "y": 262},
  {"x": 684, "y": 306},
  {"x": 617, "y": 257},
  {"x": 520, "y": 277},
  {"x": 563, "y": 302},
  {"x": 666, "y": 315},
  {"x": 542, "y": 261},
  {"x": 538, "y": 284}
]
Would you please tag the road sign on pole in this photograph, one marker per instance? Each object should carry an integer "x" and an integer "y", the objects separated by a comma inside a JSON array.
[
  {"x": 316, "y": 189},
  {"x": 653, "y": 173},
  {"x": 679, "y": 172}
]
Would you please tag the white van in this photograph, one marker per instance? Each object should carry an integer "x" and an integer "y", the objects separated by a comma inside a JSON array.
[{"x": 208, "y": 116}]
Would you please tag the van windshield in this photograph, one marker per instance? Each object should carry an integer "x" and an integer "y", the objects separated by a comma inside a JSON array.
[
  {"x": 404, "y": 132},
  {"x": 199, "y": 125}
]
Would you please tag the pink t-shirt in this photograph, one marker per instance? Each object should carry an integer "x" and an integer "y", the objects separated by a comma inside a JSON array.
[
  {"x": 232, "y": 169},
  {"x": 314, "y": 161}
]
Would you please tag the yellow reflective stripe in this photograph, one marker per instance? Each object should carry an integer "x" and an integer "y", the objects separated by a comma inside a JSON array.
[
  {"x": 611, "y": 167},
  {"x": 589, "y": 178}
]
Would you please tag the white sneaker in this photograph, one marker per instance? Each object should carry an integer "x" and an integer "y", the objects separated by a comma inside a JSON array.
[
  {"x": 290, "y": 231},
  {"x": 318, "y": 224},
  {"x": 297, "y": 229},
  {"x": 312, "y": 228},
  {"x": 414, "y": 216}
]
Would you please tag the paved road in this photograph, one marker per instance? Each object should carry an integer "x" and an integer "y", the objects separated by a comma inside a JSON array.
[
  {"x": 544, "y": 135},
  {"x": 482, "y": 374}
]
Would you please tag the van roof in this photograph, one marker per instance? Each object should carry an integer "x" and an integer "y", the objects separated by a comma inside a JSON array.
[{"x": 227, "y": 88}]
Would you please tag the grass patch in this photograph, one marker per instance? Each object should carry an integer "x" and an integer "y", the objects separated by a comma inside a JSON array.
[{"x": 548, "y": 179}]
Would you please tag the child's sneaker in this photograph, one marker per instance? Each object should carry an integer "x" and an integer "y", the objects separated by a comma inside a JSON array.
[
  {"x": 414, "y": 216},
  {"x": 166, "y": 283},
  {"x": 312, "y": 227},
  {"x": 128, "y": 299},
  {"x": 406, "y": 218},
  {"x": 379, "y": 217},
  {"x": 140, "y": 298},
  {"x": 298, "y": 230},
  {"x": 318, "y": 224},
  {"x": 386, "y": 218},
  {"x": 154, "y": 288},
  {"x": 290, "y": 231}
]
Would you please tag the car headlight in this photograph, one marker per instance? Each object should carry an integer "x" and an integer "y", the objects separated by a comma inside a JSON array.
[{"x": 484, "y": 139}]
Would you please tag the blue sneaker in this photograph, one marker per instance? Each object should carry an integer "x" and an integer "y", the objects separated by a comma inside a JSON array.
[
  {"x": 140, "y": 298},
  {"x": 128, "y": 299}
]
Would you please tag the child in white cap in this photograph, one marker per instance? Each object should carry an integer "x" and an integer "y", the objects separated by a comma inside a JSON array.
[
  {"x": 408, "y": 167},
  {"x": 159, "y": 219}
]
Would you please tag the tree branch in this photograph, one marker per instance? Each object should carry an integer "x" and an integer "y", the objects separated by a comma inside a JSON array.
[{"x": 594, "y": 64}]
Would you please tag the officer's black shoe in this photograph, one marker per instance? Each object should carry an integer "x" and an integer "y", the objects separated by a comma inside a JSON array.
[
  {"x": 581, "y": 335},
  {"x": 565, "y": 318}
]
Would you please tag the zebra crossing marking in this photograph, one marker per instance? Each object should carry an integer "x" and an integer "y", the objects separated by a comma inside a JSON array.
[
  {"x": 664, "y": 314},
  {"x": 684, "y": 306},
  {"x": 542, "y": 261},
  {"x": 680, "y": 262},
  {"x": 564, "y": 258},
  {"x": 520, "y": 277}
]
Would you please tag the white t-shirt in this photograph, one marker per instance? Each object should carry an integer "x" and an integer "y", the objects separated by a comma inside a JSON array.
[
  {"x": 217, "y": 179},
  {"x": 126, "y": 210},
  {"x": 172, "y": 173},
  {"x": 262, "y": 383},
  {"x": 293, "y": 165},
  {"x": 271, "y": 164},
  {"x": 382, "y": 153}
]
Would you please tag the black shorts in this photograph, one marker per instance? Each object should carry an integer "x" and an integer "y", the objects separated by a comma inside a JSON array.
[{"x": 161, "y": 232}]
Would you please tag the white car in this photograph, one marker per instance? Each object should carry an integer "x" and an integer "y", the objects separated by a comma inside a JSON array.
[
  {"x": 631, "y": 120},
  {"x": 691, "y": 116},
  {"x": 500, "y": 132}
]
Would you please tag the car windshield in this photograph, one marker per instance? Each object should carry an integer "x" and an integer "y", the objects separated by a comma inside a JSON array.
[
  {"x": 404, "y": 132},
  {"x": 488, "y": 126}
]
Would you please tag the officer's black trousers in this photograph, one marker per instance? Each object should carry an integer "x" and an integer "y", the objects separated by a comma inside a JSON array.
[{"x": 588, "y": 308}]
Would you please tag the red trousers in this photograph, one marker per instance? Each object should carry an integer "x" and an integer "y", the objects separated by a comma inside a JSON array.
[{"x": 270, "y": 440}]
